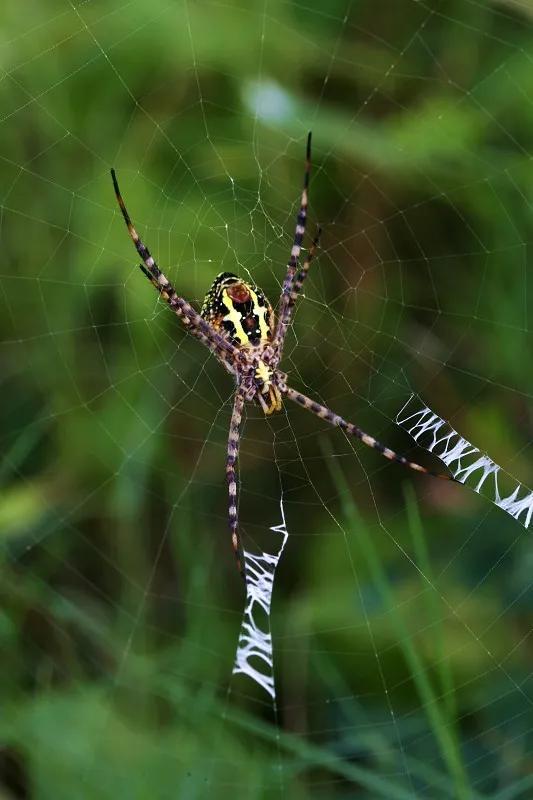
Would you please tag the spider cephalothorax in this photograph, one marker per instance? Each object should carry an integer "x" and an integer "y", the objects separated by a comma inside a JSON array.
[{"x": 237, "y": 324}]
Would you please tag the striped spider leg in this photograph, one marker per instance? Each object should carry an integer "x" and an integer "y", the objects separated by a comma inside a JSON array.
[
  {"x": 231, "y": 460},
  {"x": 286, "y": 300},
  {"x": 218, "y": 343},
  {"x": 352, "y": 430}
]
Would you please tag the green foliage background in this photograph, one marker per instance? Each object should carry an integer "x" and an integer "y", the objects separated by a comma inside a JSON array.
[{"x": 402, "y": 609}]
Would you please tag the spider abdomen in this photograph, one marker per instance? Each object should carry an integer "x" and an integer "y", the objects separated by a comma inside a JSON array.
[{"x": 239, "y": 309}]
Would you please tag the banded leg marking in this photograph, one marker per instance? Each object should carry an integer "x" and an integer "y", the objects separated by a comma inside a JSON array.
[
  {"x": 231, "y": 460},
  {"x": 303, "y": 272},
  {"x": 334, "y": 419},
  {"x": 299, "y": 278},
  {"x": 193, "y": 321},
  {"x": 301, "y": 222}
]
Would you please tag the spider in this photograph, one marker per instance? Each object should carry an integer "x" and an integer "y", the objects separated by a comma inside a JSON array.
[{"x": 237, "y": 323}]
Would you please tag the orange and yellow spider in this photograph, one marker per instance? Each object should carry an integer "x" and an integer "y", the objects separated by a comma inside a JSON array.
[{"x": 237, "y": 323}]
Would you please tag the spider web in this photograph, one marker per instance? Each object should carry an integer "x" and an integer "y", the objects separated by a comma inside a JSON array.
[{"x": 385, "y": 645}]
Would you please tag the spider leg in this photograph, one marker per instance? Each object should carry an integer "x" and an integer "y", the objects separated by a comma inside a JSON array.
[
  {"x": 301, "y": 221},
  {"x": 296, "y": 288},
  {"x": 217, "y": 343},
  {"x": 226, "y": 358},
  {"x": 231, "y": 460},
  {"x": 334, "y": 419}
]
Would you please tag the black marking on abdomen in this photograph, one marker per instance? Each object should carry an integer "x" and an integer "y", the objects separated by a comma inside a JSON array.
[{"x": 230, "y": 328}]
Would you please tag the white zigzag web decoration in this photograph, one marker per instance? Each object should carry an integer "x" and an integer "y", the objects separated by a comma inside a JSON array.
[
  {"x": 255, "y": 638},
  {"x": 467, "y": 464}
]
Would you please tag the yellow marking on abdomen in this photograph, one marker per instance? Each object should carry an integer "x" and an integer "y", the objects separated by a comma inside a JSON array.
[
  {"x": 265, "y": 333},
  {"x": 235, "y": 317}
]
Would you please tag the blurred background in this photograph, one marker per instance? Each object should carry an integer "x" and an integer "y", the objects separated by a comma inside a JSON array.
[{"x": 402, "y": 609}]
